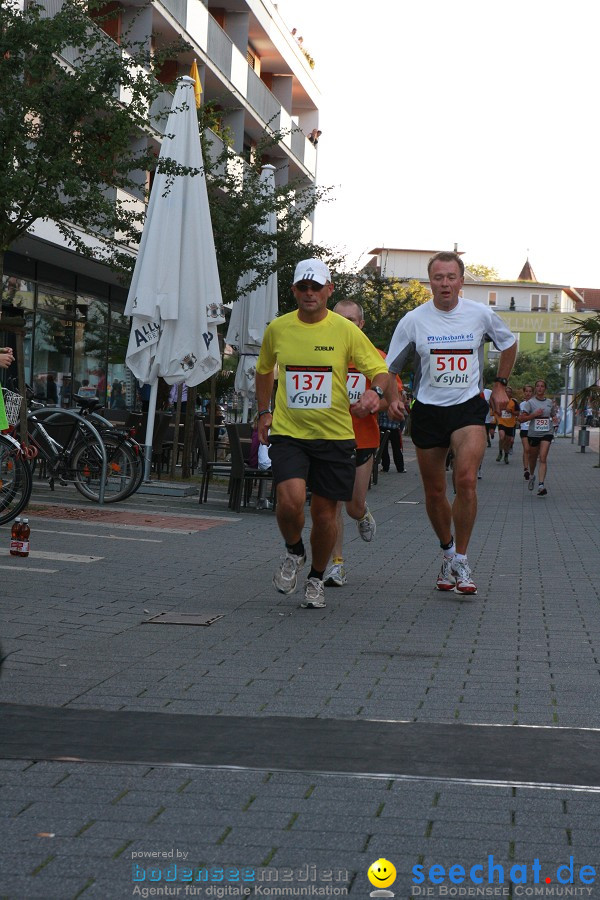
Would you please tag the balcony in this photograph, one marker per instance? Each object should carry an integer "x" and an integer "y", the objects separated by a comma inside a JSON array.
[
  {"x": 178, "y": 9},
  {"x": 263, "y": 101},
  {"x": 219, "y": 48}
]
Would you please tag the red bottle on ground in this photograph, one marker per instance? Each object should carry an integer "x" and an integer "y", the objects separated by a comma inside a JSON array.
[
  {"x": 15, "y": 537},
  {"x": 24, "y": 538}
]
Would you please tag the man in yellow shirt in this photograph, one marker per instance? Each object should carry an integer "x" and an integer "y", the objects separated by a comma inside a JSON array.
[{"x": 310, "y": 430}]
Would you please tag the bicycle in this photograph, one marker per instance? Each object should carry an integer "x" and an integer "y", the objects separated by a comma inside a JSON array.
[
  {"x": 72, "y": 454},
  {"x": 15, "y": 472}
]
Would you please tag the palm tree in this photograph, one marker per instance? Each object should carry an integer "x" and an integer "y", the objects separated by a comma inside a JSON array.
[{"x": 585, "y": 356}]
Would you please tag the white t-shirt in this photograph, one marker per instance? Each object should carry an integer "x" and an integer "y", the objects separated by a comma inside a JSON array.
[
  {"x": 448, "y": 349},
  {"x": 487, "y": 393},
  {"x": 524, "y": 426}
]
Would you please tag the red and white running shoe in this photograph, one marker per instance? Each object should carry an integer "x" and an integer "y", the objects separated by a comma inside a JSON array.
[
  {"x": 462, "y": 573},
  {"x": 446, "y": 580}
]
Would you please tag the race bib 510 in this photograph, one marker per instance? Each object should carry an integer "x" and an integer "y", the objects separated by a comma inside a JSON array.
[{"x": 451, "y": 368}]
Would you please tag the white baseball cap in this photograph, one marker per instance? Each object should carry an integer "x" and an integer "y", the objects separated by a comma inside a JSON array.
[{"x": 312, "y": 270}]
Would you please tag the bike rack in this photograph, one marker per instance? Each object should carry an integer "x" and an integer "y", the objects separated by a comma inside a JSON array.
[{"x": 50, "y": 411}]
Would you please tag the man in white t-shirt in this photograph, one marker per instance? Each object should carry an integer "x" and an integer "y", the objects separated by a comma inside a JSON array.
[{"x": 446, "y": 336}]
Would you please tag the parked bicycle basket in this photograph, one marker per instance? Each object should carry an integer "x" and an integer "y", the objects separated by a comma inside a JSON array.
[{"x": 12, "y": 405}]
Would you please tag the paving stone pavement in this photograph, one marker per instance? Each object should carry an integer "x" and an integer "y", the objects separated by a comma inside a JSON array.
[{"x": 524, "y": 652}]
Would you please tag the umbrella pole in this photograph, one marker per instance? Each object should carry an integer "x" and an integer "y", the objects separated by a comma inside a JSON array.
[
  {"x": 245, "y": 409},
  {"x": 150, "y": 431}
]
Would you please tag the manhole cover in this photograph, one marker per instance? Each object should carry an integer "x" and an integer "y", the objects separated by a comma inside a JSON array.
[{"x": 175, "y": 618}]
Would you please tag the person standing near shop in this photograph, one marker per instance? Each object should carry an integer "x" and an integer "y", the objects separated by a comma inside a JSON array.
[
  {"x": 446, "y": 335},
  {"x": 310, "y": 430}
]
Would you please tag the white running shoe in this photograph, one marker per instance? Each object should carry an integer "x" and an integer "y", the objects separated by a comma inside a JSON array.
[
  {"x": 336, "y": 577},
  {"x": 446, "y": 580},
  {"x": 286, "y": 576},
  {"x": 314, "y": 594},
  {"x": 531, "y": 483},
  {"x": 367, "y": 526},
  {"x": 462, "y": 572}
]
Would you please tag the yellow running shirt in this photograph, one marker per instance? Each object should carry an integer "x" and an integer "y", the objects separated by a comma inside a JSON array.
[{"x": 311, "y": 402}]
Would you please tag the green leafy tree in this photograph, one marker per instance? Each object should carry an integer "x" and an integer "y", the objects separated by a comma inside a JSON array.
[
  {"x": 67, "y": 142},
  {"x": 529, "y": 367},
  {"x": 239, "y": 206},
  {"x": 487, "y": 273},
  {"x": 385, "y": 301},
  {"x": 585, "y": 356}
]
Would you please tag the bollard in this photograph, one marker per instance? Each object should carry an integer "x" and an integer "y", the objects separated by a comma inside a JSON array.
[{"x": 584, "y": 438}]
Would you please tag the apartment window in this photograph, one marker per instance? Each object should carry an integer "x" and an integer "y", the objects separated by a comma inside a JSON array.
[
  {"x": 492, "y": 298},
  {"x": 540, "y": 337},
  {"x": 539, "y": 302}
]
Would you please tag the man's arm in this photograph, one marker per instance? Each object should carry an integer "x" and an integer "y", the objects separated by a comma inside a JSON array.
[
  {"x": 396, "y": 409},
  {"x": 264, "y": 391},
  {"x": 370, "y": 402},
  {"x": 499, "y": 398}
]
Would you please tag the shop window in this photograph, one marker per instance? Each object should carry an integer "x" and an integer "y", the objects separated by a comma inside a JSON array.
[
  {"x": 17, "y": 294},
  {"x": 91, "y": 344},
  {"x": 52, "y": 355}
]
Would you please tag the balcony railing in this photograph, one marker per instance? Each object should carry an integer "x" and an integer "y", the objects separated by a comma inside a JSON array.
[
  {"x": 161, "y": 105},
  {"x": 219, "y": 47},
  {"x": 299, "y": 144},
  {"x": 262, "y": 100},
  {"x": 178, "y": 9}
]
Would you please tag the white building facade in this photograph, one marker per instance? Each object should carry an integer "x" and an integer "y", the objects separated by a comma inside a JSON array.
[{"x": 253, "y": 67}]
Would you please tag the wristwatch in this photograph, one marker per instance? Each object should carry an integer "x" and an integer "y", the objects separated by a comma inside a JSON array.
[
  {"x": 503, "y": 381},
  {"x": 377, "y": 390}
]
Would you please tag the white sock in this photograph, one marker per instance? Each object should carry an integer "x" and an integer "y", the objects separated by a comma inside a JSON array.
[
  {"x": 460, "y": 557},
  {"x": 450, "y": 551}
]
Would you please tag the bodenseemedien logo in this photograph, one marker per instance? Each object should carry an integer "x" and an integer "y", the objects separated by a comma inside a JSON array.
[{"x": 381, "y": 874}]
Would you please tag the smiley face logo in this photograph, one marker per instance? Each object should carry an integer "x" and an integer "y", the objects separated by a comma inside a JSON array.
[{"x": 381, "y": 873}]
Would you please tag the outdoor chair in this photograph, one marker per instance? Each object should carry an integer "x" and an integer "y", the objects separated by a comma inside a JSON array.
[
  {"x": 208, "y": 467},
  {"x": 243, "y": 476}
]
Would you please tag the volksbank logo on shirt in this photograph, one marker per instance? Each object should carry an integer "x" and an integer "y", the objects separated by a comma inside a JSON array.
[{"x": 448, "y": 338}]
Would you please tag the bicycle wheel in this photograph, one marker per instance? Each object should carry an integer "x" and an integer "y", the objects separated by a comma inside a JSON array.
[
  {"x": 86, "y": 469},
  {"x": 15, "y": 480}
]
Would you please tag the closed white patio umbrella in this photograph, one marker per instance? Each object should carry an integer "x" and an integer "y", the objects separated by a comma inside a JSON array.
[{"x": 175, "y": 294}]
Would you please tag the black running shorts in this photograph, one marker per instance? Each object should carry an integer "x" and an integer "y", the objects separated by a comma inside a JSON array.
[
  {"x": 535, "y": 442},
  {"x": 432, "y": 426},
  {"x": 363, "y": 456},
  {"x": 327, "y": 467},
  {"x": 508, "y": 430}
]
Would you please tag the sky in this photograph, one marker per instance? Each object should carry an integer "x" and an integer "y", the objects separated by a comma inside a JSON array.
[{"x": 470, "y": 123}]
